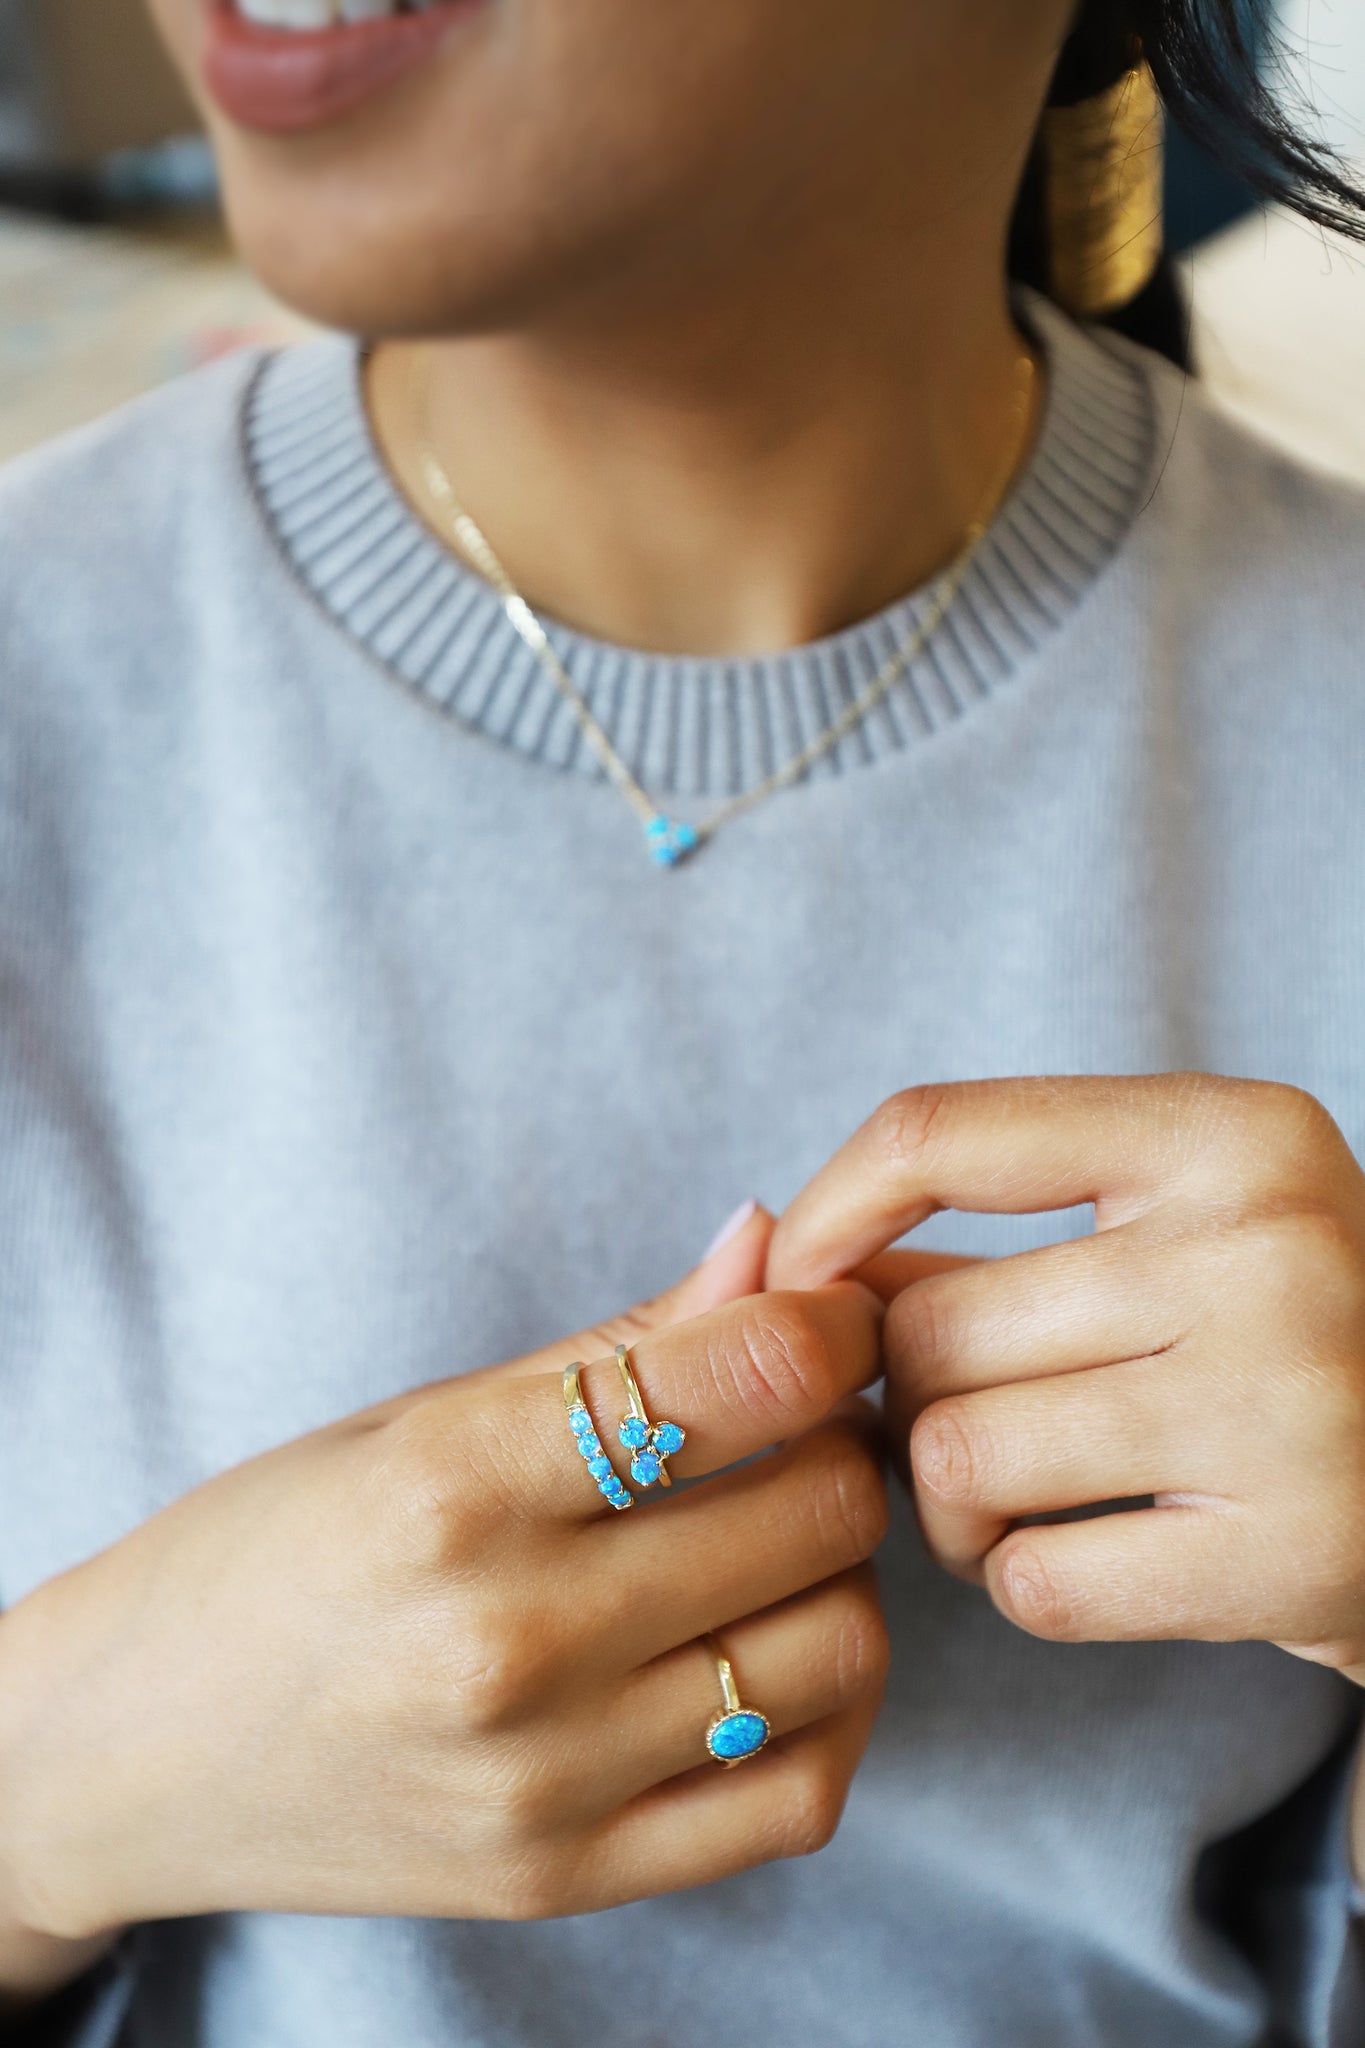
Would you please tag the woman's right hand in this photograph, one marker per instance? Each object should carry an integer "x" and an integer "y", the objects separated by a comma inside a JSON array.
[{"x": 414, "y": 1664}]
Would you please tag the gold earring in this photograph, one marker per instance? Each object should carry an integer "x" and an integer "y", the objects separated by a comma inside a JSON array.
[{"x": 1103, "y": 166}]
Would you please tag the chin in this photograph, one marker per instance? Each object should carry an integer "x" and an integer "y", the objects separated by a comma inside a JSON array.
[{"x": 386, "y": 270}]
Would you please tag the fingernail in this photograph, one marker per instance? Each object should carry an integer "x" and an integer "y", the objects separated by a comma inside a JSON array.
[{"x": 730, "y": 1228}]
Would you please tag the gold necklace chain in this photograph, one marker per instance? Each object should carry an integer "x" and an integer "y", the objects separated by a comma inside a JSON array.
[{"x": 670, "y": 840}]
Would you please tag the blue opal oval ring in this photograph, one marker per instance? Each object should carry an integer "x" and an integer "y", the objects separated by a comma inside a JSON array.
[
  {"x": 651, "y": 1444},
  {"x": 600, "y": 1468},
  {"x": 737, "y": 1731}
]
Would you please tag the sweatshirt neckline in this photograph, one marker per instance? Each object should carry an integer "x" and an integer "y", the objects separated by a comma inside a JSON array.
[{"x": 700, "y": 727}]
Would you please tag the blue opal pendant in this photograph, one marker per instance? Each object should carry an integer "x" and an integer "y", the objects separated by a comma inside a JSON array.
[{"x": 670, "y": 840}]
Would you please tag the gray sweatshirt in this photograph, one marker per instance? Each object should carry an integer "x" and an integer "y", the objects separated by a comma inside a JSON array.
[{"x": 349, "y": 1038}]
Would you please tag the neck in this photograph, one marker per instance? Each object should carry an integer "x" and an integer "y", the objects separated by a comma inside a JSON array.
[{"x": 737, "y": 468}]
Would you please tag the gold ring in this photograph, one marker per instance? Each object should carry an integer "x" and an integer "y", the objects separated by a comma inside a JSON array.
[
  {"x": 651, "y": 1444},
  {"x": 589, "y": 1447},
  {"x": 737, "y": 1731}
]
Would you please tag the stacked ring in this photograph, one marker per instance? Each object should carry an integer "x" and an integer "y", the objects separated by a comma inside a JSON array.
[
  {"x": 650, "y": 1444},
  {"x": 599, "y": 1465}
]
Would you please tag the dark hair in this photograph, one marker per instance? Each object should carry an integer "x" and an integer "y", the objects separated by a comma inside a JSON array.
[{"x": 1215, "y": 63}]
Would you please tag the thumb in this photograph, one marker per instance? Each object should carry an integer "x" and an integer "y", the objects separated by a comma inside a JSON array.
[{"x": 731, "y": 1267}]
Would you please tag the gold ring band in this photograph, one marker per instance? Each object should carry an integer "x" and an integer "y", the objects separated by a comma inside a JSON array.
[
  {"x": 737, "y": 1732},
  {"x": 651, "y": 1444},
  {"x": 600, "y": 1468}
]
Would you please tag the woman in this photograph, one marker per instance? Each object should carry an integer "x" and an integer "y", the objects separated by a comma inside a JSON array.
[{"x": 393, "y": 983}]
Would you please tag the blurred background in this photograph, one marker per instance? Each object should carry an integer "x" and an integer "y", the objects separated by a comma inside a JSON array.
[{"x": 115, "y": 273}]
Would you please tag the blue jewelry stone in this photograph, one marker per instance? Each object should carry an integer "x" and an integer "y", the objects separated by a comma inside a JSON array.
[
  {"x": 669, "y": 1438},
  {"x": 634, "y": 1434},
  {"x": 669, "y": 840},
  {"x": 645, "y": 1468},
  {"x": 579, "y": 1421},
  {"x": 589, "y": 1446},
  {"x": 600, "y": 1468},
  {"x": 737, "y": 1735}
]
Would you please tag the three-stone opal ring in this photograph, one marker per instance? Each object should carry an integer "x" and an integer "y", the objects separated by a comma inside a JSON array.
[{"x": 651, "y": 1444}]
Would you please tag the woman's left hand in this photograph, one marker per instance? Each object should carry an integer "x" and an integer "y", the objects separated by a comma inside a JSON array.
[{"x": 1206, "y": 1346}]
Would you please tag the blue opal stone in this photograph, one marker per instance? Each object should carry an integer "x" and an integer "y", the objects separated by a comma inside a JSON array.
[
  {"x": 634, "y": 1433},
  {"x": 669, "y": 840},
  {"x": 589, "y": 1445},
  {"x": 579, "y": 1420},
  {"x": 600, "y": 1468},
  {"x": 645, "y": 1468},
  {"x": 737, "y": 1735},
  {"x": 668, "y": 1438}
]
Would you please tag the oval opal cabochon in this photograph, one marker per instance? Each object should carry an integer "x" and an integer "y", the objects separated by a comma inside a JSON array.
[{"x": 737, "y": 1735}]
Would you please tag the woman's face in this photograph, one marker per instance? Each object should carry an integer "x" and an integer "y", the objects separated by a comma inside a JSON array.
[{"x": 537, "y": 151}]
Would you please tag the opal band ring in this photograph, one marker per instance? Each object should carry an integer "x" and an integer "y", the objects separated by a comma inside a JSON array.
[
  {"x": 599, "y": 1465},
  {"x": 651, "y": 1444},
  {"x": 737, "y": 1731}
]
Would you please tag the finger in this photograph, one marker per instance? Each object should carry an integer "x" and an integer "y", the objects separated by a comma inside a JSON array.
[
  {"x": 733, "y": 1270},
  {"x": 1092, "y": 1301},
  {"x": 1159, "y": 1573},
  {"x": 1006, "y": 1146},
  {"x": 797, "y": 1662},
  {"x": 744, "y": 1377},
  {"x": 709, "y": 1823},
  {"x": 890, "y": 1273},
  {"x": 730, "y": 1546},
  {"x": 1039, "y": 1447}
]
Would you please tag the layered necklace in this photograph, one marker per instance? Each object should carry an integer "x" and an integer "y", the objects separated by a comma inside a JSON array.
[{"x": 668, "y": 839}]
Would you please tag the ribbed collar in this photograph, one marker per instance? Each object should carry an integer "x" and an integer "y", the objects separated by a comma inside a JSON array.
[{"x": 705, "y": 727}]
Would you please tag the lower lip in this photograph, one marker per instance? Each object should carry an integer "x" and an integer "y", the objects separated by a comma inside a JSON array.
[{"x": 285, "y": 81}]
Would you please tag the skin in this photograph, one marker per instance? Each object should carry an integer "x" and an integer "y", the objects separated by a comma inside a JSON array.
[
  {"x": 1205, "y": 1346},
  {"x": 723, "y": 289},
  {"x": 723, "y": 358},
  {"x": 386, "y": 1668}
]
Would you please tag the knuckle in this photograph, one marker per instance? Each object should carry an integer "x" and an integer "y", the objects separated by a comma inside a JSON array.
[
  {"x": 520, "y": 1799},
  {"x": 849, "y": 1500},
  {"x": 952, "y": 1455},
  {"x": 1280, "y": 1123},
  {"x": 1305, "y": 1260},
  {"x": 530, "y": 1885},
  {"x": 1031, "y": 1594},
  {"x": 1298, "y": 1116},
  {"x": 497, "y": 1673},
  {"x": 862, "y": 1649},
  {"x": 424, "y": 1486},
  {"x": 815, "y": 1807},
  {"x": 778, "y": 1359},
  {"x": 1326, "y": 1247},
  {"x": 908, "y": 1124}
]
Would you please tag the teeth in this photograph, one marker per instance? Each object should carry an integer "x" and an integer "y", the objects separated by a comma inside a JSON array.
[
  {"x": 287, "y": 13},
  {"x": 314, "y": 14}
]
